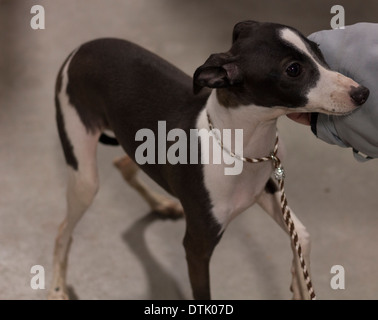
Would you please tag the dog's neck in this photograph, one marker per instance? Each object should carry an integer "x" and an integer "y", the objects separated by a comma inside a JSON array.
[{"x": 259, "y": 124}]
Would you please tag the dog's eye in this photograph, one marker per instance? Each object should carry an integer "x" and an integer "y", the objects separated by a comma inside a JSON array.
[{"x": 294, "y": 70}]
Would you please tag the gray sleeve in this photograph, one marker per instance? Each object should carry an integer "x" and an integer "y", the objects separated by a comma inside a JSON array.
[
  {"x": 354, "y": 53},
  {"x": 323, "y": 127}
]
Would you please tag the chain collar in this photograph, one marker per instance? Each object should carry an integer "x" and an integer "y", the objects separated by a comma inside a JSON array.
[{"x": 279, "y": 172}]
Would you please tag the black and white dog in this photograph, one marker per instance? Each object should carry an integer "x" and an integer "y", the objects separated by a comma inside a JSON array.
[{"x": 111, "y": 84}]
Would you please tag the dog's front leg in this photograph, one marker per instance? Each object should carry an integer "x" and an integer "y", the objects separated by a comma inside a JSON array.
[
  {"x": 269, "y": 200},
  {"x": 201, "y": 237}
]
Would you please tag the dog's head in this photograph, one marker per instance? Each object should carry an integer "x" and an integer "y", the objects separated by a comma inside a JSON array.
[{"x": 272, "y": 65}]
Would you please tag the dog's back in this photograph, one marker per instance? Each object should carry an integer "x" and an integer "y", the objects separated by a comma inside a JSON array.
[
  {"x": 105, "y": 76},
  {"x": 115, "y": 84}
]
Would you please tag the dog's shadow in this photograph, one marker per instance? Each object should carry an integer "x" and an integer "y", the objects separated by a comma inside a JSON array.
[{"x": 161, "y": 284}]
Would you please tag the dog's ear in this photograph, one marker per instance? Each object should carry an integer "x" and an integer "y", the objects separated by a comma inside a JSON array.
[
  {"x": 242, "y": 28},
  {"x": 219, "y": 71}
]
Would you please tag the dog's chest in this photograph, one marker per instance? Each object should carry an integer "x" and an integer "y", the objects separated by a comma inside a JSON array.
[
  {"x": 231, "y": 195},
  {"x": 234, "y": 185}
]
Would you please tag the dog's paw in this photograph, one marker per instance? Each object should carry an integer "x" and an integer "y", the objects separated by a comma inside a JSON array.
[
  {"x": 168, "y": 208},
  {"x": 57, "y": 294}
]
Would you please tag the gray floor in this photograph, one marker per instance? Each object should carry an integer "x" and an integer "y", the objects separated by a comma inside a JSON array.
[{"x": 120, "y": 251}]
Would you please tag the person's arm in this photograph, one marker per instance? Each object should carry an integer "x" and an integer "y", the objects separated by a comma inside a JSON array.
[{"x": 321, "y": 125}]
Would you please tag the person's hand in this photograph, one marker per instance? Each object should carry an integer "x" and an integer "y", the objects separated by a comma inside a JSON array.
[{"x": 302, "y": 118}]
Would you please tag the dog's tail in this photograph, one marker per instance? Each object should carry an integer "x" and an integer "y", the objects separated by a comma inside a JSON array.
[{"x": 111, "y": 141}]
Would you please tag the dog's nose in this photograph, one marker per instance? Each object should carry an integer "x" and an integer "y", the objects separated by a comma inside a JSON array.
[{"x": 359, "y": 95}]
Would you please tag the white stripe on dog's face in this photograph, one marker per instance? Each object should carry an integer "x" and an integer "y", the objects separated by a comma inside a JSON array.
[
  {"x": 332, "y": 91},
  {"x": 295, "y": 40}
]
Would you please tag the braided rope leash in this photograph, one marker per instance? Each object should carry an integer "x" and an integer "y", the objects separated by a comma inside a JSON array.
[{"x": 279, "y": 175}]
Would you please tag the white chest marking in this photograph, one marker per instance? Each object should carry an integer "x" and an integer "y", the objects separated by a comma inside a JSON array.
[{"x": 232, "y": 194}]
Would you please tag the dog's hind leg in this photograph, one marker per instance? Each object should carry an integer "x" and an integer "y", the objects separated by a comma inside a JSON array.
[
  {"x": 157, "y": 202},
  {"x": 81, "y": 190},
  {"x": 79, "y": 146},
  {"x": 269, "y": 200}
]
